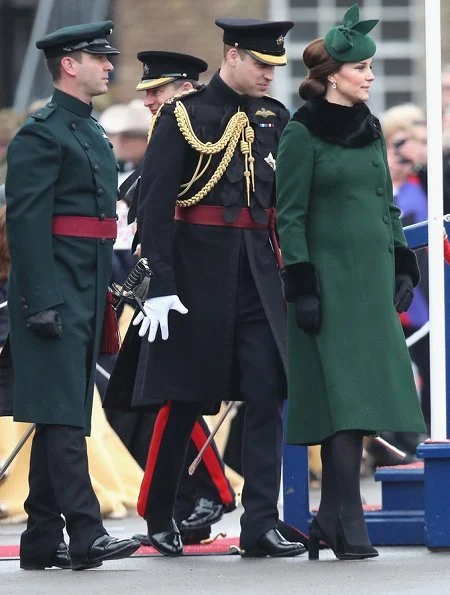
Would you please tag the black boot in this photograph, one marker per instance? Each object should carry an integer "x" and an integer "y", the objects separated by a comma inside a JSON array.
[
  {"x": 328, "y": 512},
  {"x": 346, "y": 450},
  {"x": 342, "y": 550}
]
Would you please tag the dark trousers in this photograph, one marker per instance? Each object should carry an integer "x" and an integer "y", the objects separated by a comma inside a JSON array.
[
  {"x": 208, "y": 481},
  {"x": 59, "y": 485},
  {"x": 259, "y": 380}
]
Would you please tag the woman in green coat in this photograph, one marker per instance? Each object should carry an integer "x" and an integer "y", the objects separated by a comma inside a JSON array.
[{"x": 348, "y": 272}]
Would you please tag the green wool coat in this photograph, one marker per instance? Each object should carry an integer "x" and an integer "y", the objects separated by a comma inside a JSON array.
[
  {"x": 335, "y": 210},
  {"x": 59, "y": 163}
]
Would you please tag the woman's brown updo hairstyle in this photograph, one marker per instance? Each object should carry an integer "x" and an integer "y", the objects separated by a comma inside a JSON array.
[{"x": 320, "y": 65}]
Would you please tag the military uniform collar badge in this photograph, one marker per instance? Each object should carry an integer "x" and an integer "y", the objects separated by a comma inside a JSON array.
[{"x": 271, "y": 162}]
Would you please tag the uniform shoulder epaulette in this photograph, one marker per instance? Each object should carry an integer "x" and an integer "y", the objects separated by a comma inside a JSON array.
[
  {"x": 45, "y": 112},
  {"x": 184, "y": 95}
]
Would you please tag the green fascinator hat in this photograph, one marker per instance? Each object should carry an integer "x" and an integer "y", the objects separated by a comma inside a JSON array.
[{"x": 349, "y": 42}]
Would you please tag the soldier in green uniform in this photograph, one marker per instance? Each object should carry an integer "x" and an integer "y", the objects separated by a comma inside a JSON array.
[{"x": 61, "y": 191}]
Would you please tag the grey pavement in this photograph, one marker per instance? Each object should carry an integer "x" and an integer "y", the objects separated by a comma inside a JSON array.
[{"x": 398, "y": 570}]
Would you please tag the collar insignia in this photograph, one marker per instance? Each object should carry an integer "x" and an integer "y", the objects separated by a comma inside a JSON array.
[{"x": 265, "y": 113}]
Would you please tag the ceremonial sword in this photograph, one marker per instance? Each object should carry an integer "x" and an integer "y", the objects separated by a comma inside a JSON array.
[{"x": 195, "y": 463}]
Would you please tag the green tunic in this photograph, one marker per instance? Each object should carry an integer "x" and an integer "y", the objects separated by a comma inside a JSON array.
[
  {"x": 335, "y": 210},
  {"x": 59, "y": 163}
]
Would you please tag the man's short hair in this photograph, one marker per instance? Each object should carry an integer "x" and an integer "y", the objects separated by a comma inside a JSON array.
[
  {"x": 180, "y": 82},
  {"x": 226, "y": 48},
  {"x": 54, "y": 64}
]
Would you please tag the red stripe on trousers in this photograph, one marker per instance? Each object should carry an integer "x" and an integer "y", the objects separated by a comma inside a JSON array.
[
  {"x": 213, "y": 465},
  {"x": 155, "y": 443}
]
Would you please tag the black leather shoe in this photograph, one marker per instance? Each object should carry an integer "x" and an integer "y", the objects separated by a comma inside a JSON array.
[
  {"x": 195, "y": 536},
  {"x": 168, "y": 541},
  {"x": 105, "y": 547},
  {"x": 273, "y": 544},
  {"x": 191, "y": 537},
  {"x": 291, "y": 533},
  {"x": 142, "y": 538},
  {"x": 206, "y": 512},
  {"x": 60, "y": 559}
]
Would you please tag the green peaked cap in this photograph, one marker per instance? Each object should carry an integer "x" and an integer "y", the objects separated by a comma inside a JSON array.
[{"x": 349, "y": 42}]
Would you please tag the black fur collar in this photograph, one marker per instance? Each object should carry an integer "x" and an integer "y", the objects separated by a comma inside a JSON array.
[{"x": 338, "y": 124}]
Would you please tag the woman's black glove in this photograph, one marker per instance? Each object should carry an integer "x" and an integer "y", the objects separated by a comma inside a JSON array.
[
  {"x": 301, "y": 288},
  {"x": 404, "y": 292},
  {"x": 46, "y": 323},
  {"x": 307, "y": 313}
]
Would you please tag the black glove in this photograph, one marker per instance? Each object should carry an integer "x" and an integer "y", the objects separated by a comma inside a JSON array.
[
  {"x": 307, "y": 313},
  {"x": 47, "y": 323},
  {"x": 404, "y": 292}
]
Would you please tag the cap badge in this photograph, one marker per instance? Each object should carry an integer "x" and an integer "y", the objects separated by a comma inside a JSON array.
[
  {"x": 265, "y": 113},
  {"x": 280, "y": 40},
  {"x": 146, "y": 70}
]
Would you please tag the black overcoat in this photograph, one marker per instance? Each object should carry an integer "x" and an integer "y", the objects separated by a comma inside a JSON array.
[{"x": 200, "y": 263}]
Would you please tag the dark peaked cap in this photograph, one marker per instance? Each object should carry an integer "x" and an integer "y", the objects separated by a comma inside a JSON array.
[
  {"x": 264, "y": 40},
  {"x": 89, "y": 37},
  {"x": 161, "y": 68}
]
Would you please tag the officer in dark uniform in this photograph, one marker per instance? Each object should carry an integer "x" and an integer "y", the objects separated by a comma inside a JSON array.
[
  {"x": 61, "y": 192},
  {"x": 202, "y": 498},
  {"x": 205, "y": 217}
]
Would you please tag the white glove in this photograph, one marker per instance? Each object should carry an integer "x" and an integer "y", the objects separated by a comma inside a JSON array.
[{"x": 156, "y": 314}]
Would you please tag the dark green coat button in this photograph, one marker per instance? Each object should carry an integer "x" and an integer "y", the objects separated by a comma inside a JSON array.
[
  {"x": 100, "y": 191},
  {"x": 380, "y": 191}
]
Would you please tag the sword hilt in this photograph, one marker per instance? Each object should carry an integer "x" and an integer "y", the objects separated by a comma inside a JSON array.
[{"x": 135, "y": 286}]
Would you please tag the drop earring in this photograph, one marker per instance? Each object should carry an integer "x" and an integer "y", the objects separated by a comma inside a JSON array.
[{"x": 334, "y": 85}]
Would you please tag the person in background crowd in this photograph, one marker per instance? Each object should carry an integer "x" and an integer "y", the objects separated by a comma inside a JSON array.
[
  {"x": 348, "y": 272},
  {"x": 446, "y": 134},
  {"x": 57, "y": 296},
  {"x": 127, "y": 127},
  {"x": 405, "y": 141},
  {"x": 10, "y": 121}
]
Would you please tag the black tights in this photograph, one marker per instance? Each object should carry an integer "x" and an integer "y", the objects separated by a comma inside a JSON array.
[{"x": 340, "y": 496}]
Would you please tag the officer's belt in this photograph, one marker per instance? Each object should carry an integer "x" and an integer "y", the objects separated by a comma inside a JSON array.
[
  {"x": 84, "y": 227},
  {"x": 213, "y": 215}
]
